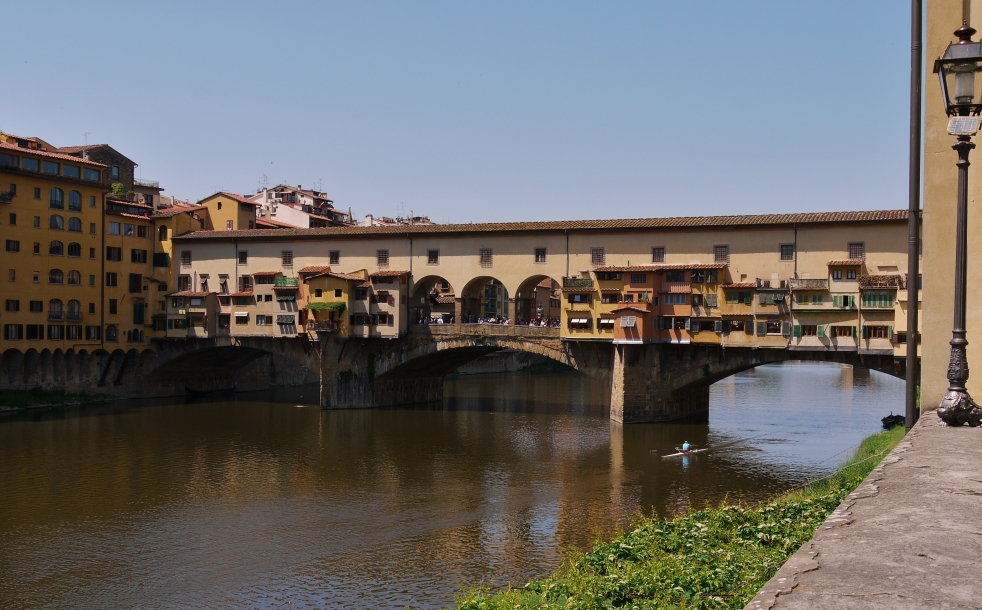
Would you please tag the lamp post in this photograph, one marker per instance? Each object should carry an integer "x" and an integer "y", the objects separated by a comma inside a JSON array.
[{"x": 957, "y": 69}]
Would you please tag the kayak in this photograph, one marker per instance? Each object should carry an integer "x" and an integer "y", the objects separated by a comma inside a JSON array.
[{"x": 689, "y": 452}]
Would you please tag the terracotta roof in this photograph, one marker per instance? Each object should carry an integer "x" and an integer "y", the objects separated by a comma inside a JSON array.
[
  {"x": 77, "y": 149},
  {"x": 741, "y": 285},
  {"x": 688, "y": 222},
  {"x": 269, "y": 222},
  {"x": 50, "y": 155},
  {"x": 388, "y": 273},
  {"x": 315, "y": 269},
  {"x": 128, "y": 215},
  {"x": 286, "y": 287},
  {"x": 630, "y": 308},
  {"x": 446, "y": 299},
  {"x": 663, "y": 267},
  {"x": 175, "y": 210},
  {"x": 343, "y": 276},
  {"x": 241, "y": 294},
  {"x": 851, "y": 262},
  {"x": 579, "y": 289},
  {"x": 266, "y": 273},
  {"x": 188, "y": 293},
  {"x": 129, "y": 203},
  {"x": 232, "y": 196}
]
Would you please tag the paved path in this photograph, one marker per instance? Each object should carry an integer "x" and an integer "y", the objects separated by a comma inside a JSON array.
[{"x": 909, "y": 537}]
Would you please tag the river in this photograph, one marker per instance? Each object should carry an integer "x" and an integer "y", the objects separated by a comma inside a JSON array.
[{"x": 267, "y": 500}]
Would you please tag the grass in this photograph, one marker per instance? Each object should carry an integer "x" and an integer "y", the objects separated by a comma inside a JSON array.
[
  {"x": 19, "y": 399},
  {"x": 712, "y": 558}
]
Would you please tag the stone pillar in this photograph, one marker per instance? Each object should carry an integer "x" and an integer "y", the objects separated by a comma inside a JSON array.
[
  {"x": 458, "y": 311},
  {"x": 641, "y": 389},
  {"x": 511, "y": 312}
]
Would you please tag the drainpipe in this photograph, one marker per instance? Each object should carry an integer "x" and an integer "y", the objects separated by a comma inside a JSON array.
[{"x": 914, "y": 209}]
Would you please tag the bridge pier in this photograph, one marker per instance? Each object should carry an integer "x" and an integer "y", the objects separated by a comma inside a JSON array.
[{"x": 641, "y": 388}]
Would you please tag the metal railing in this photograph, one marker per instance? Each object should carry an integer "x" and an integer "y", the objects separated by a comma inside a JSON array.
[
  {"x": 56, "y": 315},
  {"x": 147, "y": 183},
  {"x": 577, "y": 282},
  {"x": 799, "y": 284},
  {"x": 291, "y": 282}
]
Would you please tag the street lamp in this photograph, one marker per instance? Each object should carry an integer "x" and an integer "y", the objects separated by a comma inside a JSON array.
[{"x": 957, "y": 70}]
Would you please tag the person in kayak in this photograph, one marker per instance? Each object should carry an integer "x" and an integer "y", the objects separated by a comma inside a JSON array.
[{"x": 686, "y": 447}]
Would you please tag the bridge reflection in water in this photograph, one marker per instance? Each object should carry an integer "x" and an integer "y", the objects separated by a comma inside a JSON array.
[{"x": 252, "y": 503}]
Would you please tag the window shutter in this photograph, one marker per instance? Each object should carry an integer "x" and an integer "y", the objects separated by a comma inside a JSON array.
[
  {"x": 852, "y": 301},
  {"x": 761, "y": 329},
  {"x": 797, "y": 330},
  {"x": 718, "y": 326},
  {"x": 890, "y": 333},
  {"x": 786, "y": 329},
  {"x": 748, "y": 298},
  {"x": 688, "y": 323},
  {"x": 853, "y": 332},
  {"x": 732, "y": 297},
  {"x": 695, "y": 326},
  {"x": 821, "y": 330},
  {"x": 837, "y": 301}
]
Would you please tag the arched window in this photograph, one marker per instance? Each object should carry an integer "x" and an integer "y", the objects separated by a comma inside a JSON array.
[
  {"x": 163, "y": 234},
  {"x": 56, "y": 222},
  {"x": 54, "y": 309},
  {"x": 74, "y": 278},
  {"x": 75, "y": 224},
  {"x": 75, "y": 201},
  {"x": 57, "y": 198},
  {"x": 56, "y": 248},
  {"x": 55, "y": 276},
  {"x": 112, "y": 333},
  {"x": 74, "y": 249},
  {"x": 74, "y": 310}
]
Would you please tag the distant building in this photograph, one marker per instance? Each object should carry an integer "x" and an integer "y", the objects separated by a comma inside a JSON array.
[
  {"x": 398, "y": 221},
  {"x": 299, "y": 207}
]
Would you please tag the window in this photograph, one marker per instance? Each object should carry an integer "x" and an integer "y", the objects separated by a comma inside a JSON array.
[
  {"x": 610, "y": 297},
  {"x": 837, "y": 274},
  {"x": 56, "y": 248},
  {"x": 229, "y": 224},
  {"x": 54, "y": 309},
  {"x": 11, "y": 275},
  {"x": 382, "y": 259},
  {"x": 597, "y": 257},
  {"x": 37, "y": 306},
  {"x": 8, "y": 160},
  {"x": 245, "y": 283},
  {"x": 31, "y": 165},
  {"x": 680, "y": 323},
  {"x": 262, "y": 320},
  {"x": 721, "y": 254},
  {"x": 113, "y": 253},
  {"x": 75, "y": 250},
  {"x": 143, "y": 231},
  {"x": 50, "y": 167},
  {"x": 55, "y": 332},
  {"x": 629, "y": 297},
  {"x": 675, "y": 299},
  {"x": 139, "y": 313},
  {"x": 580, "y": 323},
  {"x": 57, "y": 223},
  {"x": 818, "y": 299},
  {"x": 91, "y": 175},
  {"x": 36, "y": 277},
  {"x": 268, "y": 298},
  {"x": 71, "y": 171},
  {"x": 93, "y": 333},
  {"x": 223, "y": 284},
  {"x": 74, "y": 278},
  {"x": 540, "y": 255},
  {"x": 57, "y": 199},
  {"x": 265, "y": 279},
  {"x": 162, "y": 234},
  {"x": 579, "y": 298},
  {"x": 92, "y": 228},
  {"x": 243, "y": 257},
  {"x": 432, "y": 257},
  {"x": 877, "y": 332},
  {"x": 91, "y": 252},
  {"x": 113, "y": 306},
  {"x": 75, "y": 224},
  {"x": 878, "y": 300},
  {"x": 13, "y": 305},
  {"x": 35, "y": 332},
  {"x": 37, "y": 222},
  {"x": 609, "y": 276},
  {"x": 658, "y": 254},
  {"x": 318, "y": 292},
  {"x": 162, "y": 287},
  {"x": 857, "y": 251},
  {"x": 12, "y": 220},
  {"x": 13, "y": 245},
  {"x": 698, "y": 277},
  {"x": 138, "y": 256},
  {"x": 486, "y": 257},
  {"x": 334, "y": 257},
  {"x": 129, "y": 230},
  {"x": 674, "y": 276},
  {"x": 183, "y": 283},
  {"x": 114, "y": 228},
  {"x": 91, "y": 198},
  {"x": 115, "y": 172},
  {"x": 739, "y": 297},
  {"x": 75, "y": 201},
  {"x": 241, "y": 317},
  {"x": 112, "y": 333},
  {"x": 186, "y": 258},
  {"x": 361, "y": 294},
  {"x": 56, "y": 276},
  {"x": 92, "y": 308},
  {"x": 91, "y": 280},
  {"x": 203, "y": 279},
  {"x": 136, "y": 283},
  {"x": 111, "y": 279},
  {"x": 639, "y": 278},
  {"x": 843, "y": 331},
  {"x": 851, "y": 274},
  {"x": 13, "y": 332},
  {"x": 338, "y": 292},
  {"x": 787, "y": 252}
]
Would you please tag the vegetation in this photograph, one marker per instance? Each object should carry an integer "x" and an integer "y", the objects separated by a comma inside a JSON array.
[
  {"x": 19, "y": 399},
  {"x": 711, "y": 558},
  {"x": 329, "y": 307},
  {"x": 117, "y": 189}
]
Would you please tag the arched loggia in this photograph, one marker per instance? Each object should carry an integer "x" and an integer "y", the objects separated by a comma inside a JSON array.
[
  {"x": 433, "y": 298},
  {"x": 485, "y": 300},
  {"x": 538, "y": 301}
]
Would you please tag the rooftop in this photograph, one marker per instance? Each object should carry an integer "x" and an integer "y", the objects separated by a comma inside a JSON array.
[{"x": 50, "y": 155}]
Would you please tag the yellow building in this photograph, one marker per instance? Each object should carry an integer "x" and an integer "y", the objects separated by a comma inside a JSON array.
[
  {"x": 127, "y": 275},
  {"x": 167, "y": 224},
  {"x": 328, "y": 295},
  {"x": 229, "y": 212},
  {"x": 51, "y": 210}
]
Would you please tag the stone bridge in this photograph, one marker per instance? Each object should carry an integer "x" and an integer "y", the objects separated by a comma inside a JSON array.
[{"x": 648, "y": 382}]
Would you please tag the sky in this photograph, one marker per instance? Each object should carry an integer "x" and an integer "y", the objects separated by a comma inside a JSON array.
[{"x": 481, "y": 112}]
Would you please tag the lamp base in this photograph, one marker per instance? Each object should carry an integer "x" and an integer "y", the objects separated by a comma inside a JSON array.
[{"x": 958, "y": 408}]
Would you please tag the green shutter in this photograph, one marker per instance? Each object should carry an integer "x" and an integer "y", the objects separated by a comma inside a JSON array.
[
  {"x": 761, "y": 329},
  {"x": 786, "y": 329},
  {"x": 694, "y": 326},
  {"x": 852, "y": 301},
  {"x": 818, "y": 299},
  {"x": 748, "y": 298},
  {"x": 890, "y": 333},
  {"x": 732, "y": 297},
  {"x": 821, "y": 330},
  {"x": 853, "y": 332},
  {"x": 718, "y": 326},
  {"x": 837, "y": 300},
  {"x": 797, "y": 330}
]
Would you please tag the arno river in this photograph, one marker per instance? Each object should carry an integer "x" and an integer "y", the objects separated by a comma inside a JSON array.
[{"x": 266, "y": 500}]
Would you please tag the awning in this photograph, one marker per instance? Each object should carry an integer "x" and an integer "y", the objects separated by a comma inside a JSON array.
[
  {"x": 286, "y": 296},
  {"x": 606, "y": 322},
  {"x": 286, "y": 320},
  {"x": 242, "y": 314},
  {"x": 579, "y": 321}
]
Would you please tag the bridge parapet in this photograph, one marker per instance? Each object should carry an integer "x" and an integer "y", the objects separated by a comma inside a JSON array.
[{"x": 443, "y": 331}]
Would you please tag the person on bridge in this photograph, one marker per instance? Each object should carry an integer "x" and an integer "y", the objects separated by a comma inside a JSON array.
[{"x": 686, "y": 447}]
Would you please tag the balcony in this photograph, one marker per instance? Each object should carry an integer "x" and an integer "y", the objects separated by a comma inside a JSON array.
[
  {"x": 799, "y": 284},
  {"x": 287, "y": 282},
  {"x": 74, "y": 316},
  {"x": 153, "y": 184},
  {"x": 56, "y": 316},
  {"x": 577, "y": 283},
  {"x": 324, "y": 325},
  {"x": 7, "y": 197},
  {"x": 676, "y": 287}
]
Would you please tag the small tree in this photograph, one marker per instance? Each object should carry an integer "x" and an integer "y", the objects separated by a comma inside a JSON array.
[{"x": 117, "y": 188}]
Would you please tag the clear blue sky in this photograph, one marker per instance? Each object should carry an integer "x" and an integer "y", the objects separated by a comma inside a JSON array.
[{"x": 482, "y": 112}]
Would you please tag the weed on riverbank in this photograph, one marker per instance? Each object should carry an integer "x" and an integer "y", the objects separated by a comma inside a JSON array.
[
  {"x": 711, "y": 558},
  {"x": 24, "y": 399}
]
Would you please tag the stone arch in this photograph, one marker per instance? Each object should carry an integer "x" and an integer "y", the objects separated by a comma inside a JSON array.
[
  {"x": 12, "y": 364},
  {"x": 484, "y": 297},
  {"x": 432, "y": 297},
  {"x": 535, "y": 299}
]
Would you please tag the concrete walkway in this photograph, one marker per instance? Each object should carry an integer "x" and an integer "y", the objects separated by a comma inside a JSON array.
[{"x": 909, "y": 537}]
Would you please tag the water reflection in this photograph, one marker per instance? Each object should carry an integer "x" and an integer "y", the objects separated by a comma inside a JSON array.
[{"x": 258, "y": 503}]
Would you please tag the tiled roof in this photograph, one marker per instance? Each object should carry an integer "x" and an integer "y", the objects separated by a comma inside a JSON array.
[
  {"x": 630, "y": 308},
  {"x": 662, "y": 267},
  {"x": 286, "y": 287},
  {"x": 126, "y": 202},
  {"x": 315, "y": 269},
  {"x": 232, "y": 196},
  {"x": 241, "y": 294},
  {"x": 51, "y": 155},
  {"x": 741, "y": 285},
  {"x": 68, "y": 150},
  {"x": 188, "y": 293},
  {"x": 343, "y": 276},
  {"x": 446, "y": 299},
  {"x": 851, "y": 262},
  {"x": 174, "y": 211},
  {"x": 275, "y": 224},
  {"x": 266, "y": 273},
  {"x": 388, "y": 273},
  {"x": 687, "y": 222},
  {"x": 128, "y": 215},
  {"x": 364, "y": 285}
]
